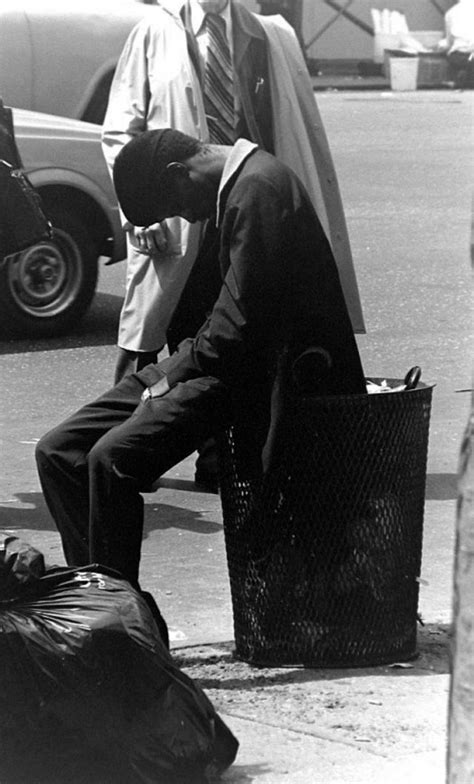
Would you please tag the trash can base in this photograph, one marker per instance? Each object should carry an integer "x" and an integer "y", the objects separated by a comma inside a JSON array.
[{"x": 276, "y": 656}]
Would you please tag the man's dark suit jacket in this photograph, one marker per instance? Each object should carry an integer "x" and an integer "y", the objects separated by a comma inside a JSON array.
[{"x": 280, "y": 295}]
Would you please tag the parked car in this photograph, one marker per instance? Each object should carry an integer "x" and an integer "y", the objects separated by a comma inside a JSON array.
[
  {"x": 60, "y": 58},
  {"x": 48, "y": 287}
]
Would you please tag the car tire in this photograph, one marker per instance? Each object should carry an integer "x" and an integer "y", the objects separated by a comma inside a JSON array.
[{"x": 47, "y": 288}]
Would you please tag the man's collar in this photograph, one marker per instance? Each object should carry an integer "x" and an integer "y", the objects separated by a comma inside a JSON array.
[
  {"x": 239, "y": 153},
  {"x": 197, "y": 16}
]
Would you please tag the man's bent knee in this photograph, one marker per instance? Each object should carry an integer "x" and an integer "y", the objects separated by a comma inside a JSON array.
[
  {"x": 107, "y": 458},
  {"x": 57, "y": 448},
  {"x": 47, "y": 446}
]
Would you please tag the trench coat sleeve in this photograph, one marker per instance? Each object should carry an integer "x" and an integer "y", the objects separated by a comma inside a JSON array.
[
  {"x": 127, "y": 109},
  {"x": 155, "y": 86},
  {"x": 234, "y": 344}
]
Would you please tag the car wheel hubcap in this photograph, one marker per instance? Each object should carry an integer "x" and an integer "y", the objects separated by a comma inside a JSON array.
[{"x": 45, "y": 278}]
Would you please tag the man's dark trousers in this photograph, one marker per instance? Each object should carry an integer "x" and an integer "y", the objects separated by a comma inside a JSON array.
[{"x": 94, "y": 465}]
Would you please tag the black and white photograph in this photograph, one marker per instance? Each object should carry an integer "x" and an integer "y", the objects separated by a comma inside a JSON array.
[{"x": 236, "y": 392}]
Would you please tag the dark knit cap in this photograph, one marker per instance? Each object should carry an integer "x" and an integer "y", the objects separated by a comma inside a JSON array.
[{"x": 141, "y": 179}]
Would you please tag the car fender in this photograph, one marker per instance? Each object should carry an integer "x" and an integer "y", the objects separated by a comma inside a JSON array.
[{"x": 41, "y": 177}]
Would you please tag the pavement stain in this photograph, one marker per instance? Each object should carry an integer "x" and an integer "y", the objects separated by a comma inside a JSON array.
[{"x": 380, "y": 707}]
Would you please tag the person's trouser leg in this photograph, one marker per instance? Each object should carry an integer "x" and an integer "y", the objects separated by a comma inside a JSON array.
[
  {"x": 62, "y": 463},
  {"x": 94, "y": 466},
  {"x": 129, "y": 458}
]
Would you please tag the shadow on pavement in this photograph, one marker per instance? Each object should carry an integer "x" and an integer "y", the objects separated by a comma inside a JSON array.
[
  {"x": 439, "y": 487},
  {"x": 98, "y": 327},
  {"x": 433, "y": 659},
  {"x": 158, "y": 517}
]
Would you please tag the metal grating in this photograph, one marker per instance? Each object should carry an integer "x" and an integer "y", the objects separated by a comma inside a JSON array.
[{"x": 324, "y": 552}]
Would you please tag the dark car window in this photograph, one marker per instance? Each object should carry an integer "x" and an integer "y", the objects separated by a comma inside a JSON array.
[{"x": 94, "y": 111}]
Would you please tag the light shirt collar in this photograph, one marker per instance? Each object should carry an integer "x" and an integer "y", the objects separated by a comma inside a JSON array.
[
  {"x": 239, "y": 153},
  {"x": 197, "y": 20},
  {"x": 197, "y": 17}
]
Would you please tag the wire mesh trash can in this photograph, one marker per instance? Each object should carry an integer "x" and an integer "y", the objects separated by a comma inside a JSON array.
[{"x": 324, "y": 553}]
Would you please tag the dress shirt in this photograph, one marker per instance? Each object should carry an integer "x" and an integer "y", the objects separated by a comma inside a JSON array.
[
  {"x": 459, "y": 21},
  {"x": 199, "y": 28}
]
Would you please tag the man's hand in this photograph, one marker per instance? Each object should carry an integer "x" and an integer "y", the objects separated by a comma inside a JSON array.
[
  {"x": 152, "y": 239},
  {"x": 158, "y": 389}
]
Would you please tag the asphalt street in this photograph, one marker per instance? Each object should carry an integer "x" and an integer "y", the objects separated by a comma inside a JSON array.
[{"x": 404, "y": 163}]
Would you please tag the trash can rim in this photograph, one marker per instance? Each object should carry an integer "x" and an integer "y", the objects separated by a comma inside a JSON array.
[{"x": 420, "y": 387}]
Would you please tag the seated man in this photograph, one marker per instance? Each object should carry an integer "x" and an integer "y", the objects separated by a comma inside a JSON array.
[{"x": 280, "y": 296}]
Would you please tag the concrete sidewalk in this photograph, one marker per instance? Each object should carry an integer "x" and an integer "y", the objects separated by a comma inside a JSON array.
[
  {"x": 355, "y": 82},
  {"x": 304, "y": 726},
  {"x": 348, "y": 81}
]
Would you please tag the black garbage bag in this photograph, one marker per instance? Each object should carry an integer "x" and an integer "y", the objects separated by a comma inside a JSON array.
[{"x": 89, "y": 693}]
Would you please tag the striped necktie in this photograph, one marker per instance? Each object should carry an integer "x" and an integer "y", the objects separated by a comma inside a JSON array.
[{"x": 218, "y": 83}]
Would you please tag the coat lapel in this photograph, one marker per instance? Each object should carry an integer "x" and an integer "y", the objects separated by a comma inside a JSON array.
[{"x": 245, "y": 28}]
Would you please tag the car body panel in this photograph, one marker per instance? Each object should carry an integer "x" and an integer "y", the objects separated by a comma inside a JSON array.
[{"x": 53, "y": 57}]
